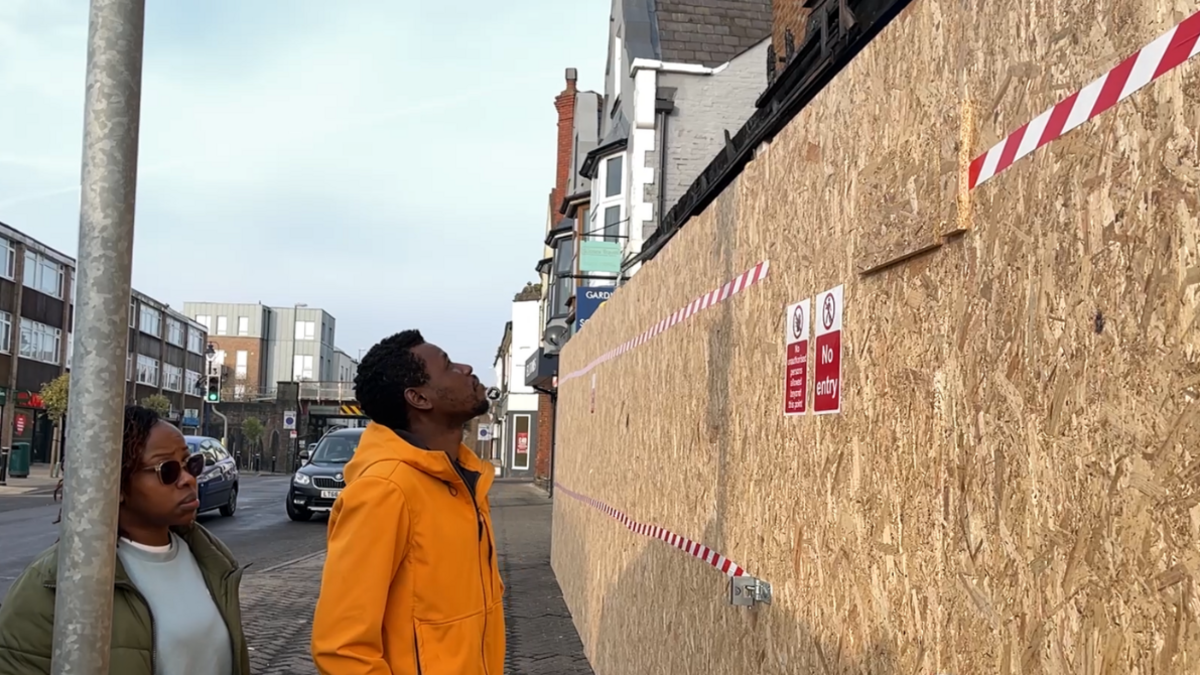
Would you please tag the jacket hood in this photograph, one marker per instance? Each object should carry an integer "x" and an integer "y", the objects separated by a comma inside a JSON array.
[{"x": 380, "y": 443}]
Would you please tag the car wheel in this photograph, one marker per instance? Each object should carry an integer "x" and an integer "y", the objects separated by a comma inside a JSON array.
[
  {"x": 230, "y": 508},
  {"x": 297, "y": 513}
]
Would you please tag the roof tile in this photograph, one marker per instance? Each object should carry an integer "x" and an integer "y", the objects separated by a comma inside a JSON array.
[{"x": 711, "y": 32}]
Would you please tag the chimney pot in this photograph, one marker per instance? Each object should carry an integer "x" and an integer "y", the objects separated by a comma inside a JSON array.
[{"x": 572, "y": 74}]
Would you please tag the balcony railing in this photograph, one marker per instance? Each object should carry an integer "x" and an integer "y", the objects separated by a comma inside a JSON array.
[{"x": 327, "y": 391}]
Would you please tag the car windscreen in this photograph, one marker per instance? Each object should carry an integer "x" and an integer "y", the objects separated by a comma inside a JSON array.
[
  {"x": 193, "y": 447},
  {"x": 335, "y": 450}
]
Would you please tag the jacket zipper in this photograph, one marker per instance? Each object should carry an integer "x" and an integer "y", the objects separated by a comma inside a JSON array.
[{"x": 417, "y": 650}]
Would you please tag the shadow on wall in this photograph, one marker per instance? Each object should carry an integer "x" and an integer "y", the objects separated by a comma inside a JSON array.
[{"x": 639, "y": 635}]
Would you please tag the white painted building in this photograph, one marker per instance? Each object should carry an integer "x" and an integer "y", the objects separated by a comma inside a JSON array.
[
  {"x": 680, "y": 75},
  {"x": 514, "y": 447}
]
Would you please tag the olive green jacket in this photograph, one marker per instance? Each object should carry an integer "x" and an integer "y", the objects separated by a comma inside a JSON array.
[{"x": 27, "y": 615}]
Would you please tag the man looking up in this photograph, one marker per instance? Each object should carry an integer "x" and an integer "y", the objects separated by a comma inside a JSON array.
[{"x": 411, "y": 583}]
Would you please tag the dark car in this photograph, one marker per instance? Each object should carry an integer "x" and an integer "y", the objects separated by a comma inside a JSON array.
[
  {"x": 317, "y": 484},
  {"x": 219, "y": 482}
]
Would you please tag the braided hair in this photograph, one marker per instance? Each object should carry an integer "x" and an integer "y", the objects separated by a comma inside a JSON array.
[{"x": 139, "y": 421}]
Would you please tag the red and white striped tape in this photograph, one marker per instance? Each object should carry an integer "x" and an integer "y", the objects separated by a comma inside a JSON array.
[
  {"x": 1171, "y": 49},
  {"x": 694, "y": 549},
  {"x": 731, "y": 288}
]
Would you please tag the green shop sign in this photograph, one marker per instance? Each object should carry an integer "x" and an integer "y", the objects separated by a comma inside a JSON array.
[{"x": 600, "y": 256}]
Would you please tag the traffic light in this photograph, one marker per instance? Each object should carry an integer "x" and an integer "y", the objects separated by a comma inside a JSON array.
[{"x": 212, "y": 393}]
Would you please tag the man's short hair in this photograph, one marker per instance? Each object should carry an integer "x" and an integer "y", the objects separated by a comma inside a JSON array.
[{"x": 387, "y": 370}]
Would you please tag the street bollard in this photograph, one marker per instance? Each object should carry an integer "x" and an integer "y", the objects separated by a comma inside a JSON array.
[{"x": 4, "y": 466}]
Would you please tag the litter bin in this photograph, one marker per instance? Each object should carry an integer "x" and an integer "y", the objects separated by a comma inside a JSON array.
[{"x": 18, "y": 461}]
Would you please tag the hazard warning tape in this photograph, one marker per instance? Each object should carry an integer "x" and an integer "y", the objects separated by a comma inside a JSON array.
[
  {"x": 731, "y": 288},
  {"x": 694, "y": 549},
  {"x": 1149, "y": 63},
  {"x": 349, "y": 409}
]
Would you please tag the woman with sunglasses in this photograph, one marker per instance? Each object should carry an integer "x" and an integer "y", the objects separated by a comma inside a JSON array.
[{"x": 175, "y": 599}]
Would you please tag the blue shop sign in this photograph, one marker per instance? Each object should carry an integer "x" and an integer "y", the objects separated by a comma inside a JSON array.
[{"x": 587, "y": 300}]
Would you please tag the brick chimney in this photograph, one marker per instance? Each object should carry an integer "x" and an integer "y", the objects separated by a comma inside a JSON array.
[
  {"x": 787, "y": 15},
  {"x": 565, "y": 105}
]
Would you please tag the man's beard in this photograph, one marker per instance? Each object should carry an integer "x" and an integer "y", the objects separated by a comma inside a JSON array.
[{"x": 484, "y": 406}]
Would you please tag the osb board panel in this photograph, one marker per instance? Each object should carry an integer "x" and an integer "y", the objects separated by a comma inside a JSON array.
[
  {"x": 1014, "y": 486},
  {"x": 902, "y": 192}
]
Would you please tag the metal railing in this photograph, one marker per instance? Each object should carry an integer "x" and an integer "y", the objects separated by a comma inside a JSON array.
[{"x": 327, "y": 391}]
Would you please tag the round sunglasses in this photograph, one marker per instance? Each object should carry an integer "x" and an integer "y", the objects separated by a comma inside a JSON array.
[{"x": 170, "y": 470}]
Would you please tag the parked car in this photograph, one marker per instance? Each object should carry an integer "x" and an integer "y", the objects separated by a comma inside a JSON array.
[
  {"x": 316, "y": 486},
  {"x": 219, "y": 482}
]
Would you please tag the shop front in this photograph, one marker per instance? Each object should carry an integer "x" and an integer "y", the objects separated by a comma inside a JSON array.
[{"x": 32, "y": 426}]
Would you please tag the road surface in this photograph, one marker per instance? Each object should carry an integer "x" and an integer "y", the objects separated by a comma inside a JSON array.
[{"x": 260, "y": 534}]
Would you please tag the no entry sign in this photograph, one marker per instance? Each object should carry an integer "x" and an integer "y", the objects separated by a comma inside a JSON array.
[
  {"x": 795, "y": 369},
  {"x": 828, "y": 374}
]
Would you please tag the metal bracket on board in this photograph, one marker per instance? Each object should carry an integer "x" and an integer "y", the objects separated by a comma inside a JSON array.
[{"x": 748, "y": 591}]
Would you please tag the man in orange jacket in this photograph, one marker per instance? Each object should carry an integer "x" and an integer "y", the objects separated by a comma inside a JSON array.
[{"x": 411, "y": 583}]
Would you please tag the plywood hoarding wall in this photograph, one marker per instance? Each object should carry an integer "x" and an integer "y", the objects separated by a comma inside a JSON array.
[{"x": 1014, "y": 483}]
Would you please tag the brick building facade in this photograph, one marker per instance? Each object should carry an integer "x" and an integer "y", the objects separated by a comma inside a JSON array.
[{"x": 787, "y": 16}]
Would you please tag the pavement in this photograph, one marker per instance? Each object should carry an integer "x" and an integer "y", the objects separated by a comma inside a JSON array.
[
  {"x": 285, "y": 561},
  {"x": 541, "y": 634},
  {"x": 38, "y": 482}
]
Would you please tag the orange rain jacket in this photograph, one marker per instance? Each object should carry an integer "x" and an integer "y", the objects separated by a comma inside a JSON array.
[{"x": 411, "y": 583}]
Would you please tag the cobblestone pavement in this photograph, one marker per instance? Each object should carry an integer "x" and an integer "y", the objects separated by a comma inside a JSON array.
[
  {"x": 277, "y": 609},
  {"x": 277, "y": 603},
  {"x": 541, "y": 635}
]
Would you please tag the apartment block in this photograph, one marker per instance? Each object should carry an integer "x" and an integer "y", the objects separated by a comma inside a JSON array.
[
  {"x": 166, "y": 356},
  {"x": 240, "y": 335},
  {"x": 36, "y": 313},
  {"x": 258, "y": 346},
  {"x": 303, "y": 344}
]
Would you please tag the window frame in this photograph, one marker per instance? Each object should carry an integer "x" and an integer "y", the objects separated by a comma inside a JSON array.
[
  {"x": 198, "y": 347},
  {"x": 562, "y": 277},
  {"x": 306, "y": 330},
  {"x": 529, "y": 437},
  {"x": 222, "y": 325},
  {"x": 172, "y": 377},
  {"x": 194, "y": 378},
  {"x": 6, "y": 327},
  {"x": 241, "y": 363},
  {"x": 148, "y": 314},
  {"x": 243, "y": 326},
  {"x": 41, "y": 265},
  {"x": 597, "y": 227},
  {"x": 146, "y": 365},
  {"x": 300, "y": 366},
  {"x": 176, "y": 334},
  {"x": 42, "y": 332},
  {"x": 10, "y": 259}
]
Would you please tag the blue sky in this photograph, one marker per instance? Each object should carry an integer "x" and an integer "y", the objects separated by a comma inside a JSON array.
[{"x": 389, "y": 162}]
